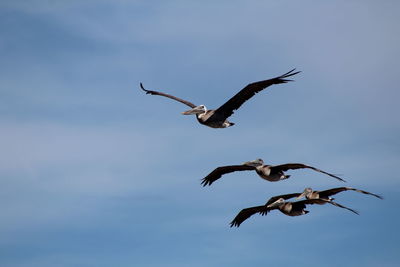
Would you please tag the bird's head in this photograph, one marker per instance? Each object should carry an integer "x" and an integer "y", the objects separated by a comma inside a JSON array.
[
  {"x": 254, "y": 163},
  {"x": 196, "y": 110},
  {"x": 307, "y": 192}
]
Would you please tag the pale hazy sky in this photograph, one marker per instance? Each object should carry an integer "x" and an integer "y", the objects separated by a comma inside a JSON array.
[{"x": 93, "y": 172}]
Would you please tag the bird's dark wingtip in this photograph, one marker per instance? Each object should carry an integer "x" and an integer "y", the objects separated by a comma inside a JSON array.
[
  {"x": 205, "y": 182},
  {"x": 336, "y": 176},
  {"x": 285, "y": 80},
  {"x": 297, "y": 72},
  {"x": 354, "y": 211},
  {"x": 141, "y": 86},
  {"x": 290, "y": 73},
  {"x": 234, "y": 224}
]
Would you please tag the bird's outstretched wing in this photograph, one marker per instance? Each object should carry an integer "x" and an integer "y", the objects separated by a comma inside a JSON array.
[
  {"x": 285, "y": 197},
  {"x": 343, "y": 207},
  {"x": 320, "y": 202},
  {"x": 218, "y": 172},
  {"x": 244, "y": 214},
  {"x": 334, "y": 191},
  {"x": 167, "y": 95},
  {"x": 246, "y": 93},
  {"x": 294, "y": 166}
]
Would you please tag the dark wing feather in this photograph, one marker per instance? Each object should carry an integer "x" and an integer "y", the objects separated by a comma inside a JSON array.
[
  {"x": 294, "y": 166},
  {"x": 246, "y": 93},
  {"x": 218, "y": 172},
  {"x": 321, "y": 202},
  {"x": 343, "y": 207},
  {"x": 285, "y": 197},
  {"x": 169, "y": 96},
  {"x": 334, "y": 191},
  {"x": 244, "y": 214}
]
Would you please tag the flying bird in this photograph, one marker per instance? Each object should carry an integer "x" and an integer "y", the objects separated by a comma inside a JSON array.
[
  {"x": 286, "y": 207},
  {"x": 308, "y": 193},
  {"x": 272, "y": 173},
  {"x": 217, "y": 118}
]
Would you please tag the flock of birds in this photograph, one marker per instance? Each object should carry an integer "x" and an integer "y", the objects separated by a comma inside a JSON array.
[{"x": 218, "y": 118}]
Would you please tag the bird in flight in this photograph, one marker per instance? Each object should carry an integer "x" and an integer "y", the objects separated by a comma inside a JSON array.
[
  {"x": 217, "y": 118},
  {"x": 288, "y": 208},
  {"x": 272, "y": 173}
]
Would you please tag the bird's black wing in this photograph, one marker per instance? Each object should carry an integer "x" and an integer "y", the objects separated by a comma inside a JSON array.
[
  {"x": 244, "y": 214},
  {"x": 321, "y": 202},
  {"x": 246, "y": 93},
  {"x": 169, "y": 96},
  {"x": 294, "y": 166},
  {"x": 336, "y": 190},
  {"x": 285, "y": 197},
  {"x": 343, "y": 207},
  {"x": 218, "y": 172}
]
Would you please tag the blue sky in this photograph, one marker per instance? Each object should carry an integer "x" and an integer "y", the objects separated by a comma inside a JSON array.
[{"x": 93, "y": 172}]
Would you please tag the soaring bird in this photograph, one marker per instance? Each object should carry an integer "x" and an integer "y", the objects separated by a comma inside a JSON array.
[
  {"x": 286, "y": 207},
  {"x": 272, "y": 173},
  {"x": 217, "y": 118}
]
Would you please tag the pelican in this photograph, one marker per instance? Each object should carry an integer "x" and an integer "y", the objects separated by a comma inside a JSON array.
[
  {"x": 286, "y": 207},
  {"x": 217, "y": 118},
  {"x": 268, "y": 172},
  {"x": 308, "y": 193}
]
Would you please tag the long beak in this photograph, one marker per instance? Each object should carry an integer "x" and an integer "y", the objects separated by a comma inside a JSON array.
[
  {"x": 251, "y": 163},
  {"x": 192, "y": 111},
  {"x": 273, "y": 204},
  {"x": 301, "y": 196}
]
